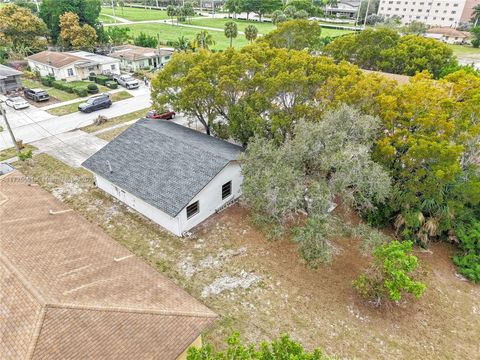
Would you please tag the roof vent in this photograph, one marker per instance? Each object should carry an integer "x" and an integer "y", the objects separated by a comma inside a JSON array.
[{"x": 109, "y": 166}]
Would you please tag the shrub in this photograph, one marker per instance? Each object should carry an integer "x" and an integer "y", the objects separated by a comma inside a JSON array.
[
  {"x": 101, "y": 79},
  {"x": 468, "y": 261},
  {"x": 47, "y": 80},
  {"x": 30, "y": 75},
  {"x": 389, "y": 278},
  {"x": 92, "y": 88},
  {"x": 81, "y": 91},
  {"x": 111, "y": 84},
  {"x": 62, "y": 85},
  {"x": 25, "y": 155},
  {"x": 313, "y": 242}
]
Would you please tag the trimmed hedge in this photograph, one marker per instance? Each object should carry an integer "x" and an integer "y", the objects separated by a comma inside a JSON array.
[
  {"x": 111, "y": 84},
  {"x": 47, "y": 80},
  {"x": 101, "y": 79}
]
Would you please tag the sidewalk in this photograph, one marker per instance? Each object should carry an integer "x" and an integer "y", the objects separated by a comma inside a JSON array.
[{"x": 53, "y": 106}]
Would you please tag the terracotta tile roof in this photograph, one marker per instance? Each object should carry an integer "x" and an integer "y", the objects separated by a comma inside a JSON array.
[
  {"x": 400, "y": 79},
  {"x": 71, "y": 292},
  {"x": 55, "y": 59},
  {"x": 448, "y": 32},
  {"x": 133, "y": 52}
]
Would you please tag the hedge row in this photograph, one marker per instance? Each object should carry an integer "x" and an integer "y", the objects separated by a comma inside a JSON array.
[{"x": 80, "y": 90}]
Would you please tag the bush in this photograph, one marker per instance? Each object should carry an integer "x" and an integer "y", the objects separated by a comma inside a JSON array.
[
  {"x": 81, "y": 91},
  {"x": 313, "y": 242},
  {"x": 468, "y": 261},
  {"x": 62, "y": 85},
  {"x": 47, "y": 80},
  {"x": 389, "y": 278},
  {"x": 25, "y": 155},
  {"x": 92, "y": 88},
  {"x": 111, "y": 84},
  {"x": 101, "y": 79}
]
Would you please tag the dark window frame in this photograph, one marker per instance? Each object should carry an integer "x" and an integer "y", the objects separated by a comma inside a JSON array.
[
  {"x": 196, "y": 209},
  {"x": 229, "y": 189}
]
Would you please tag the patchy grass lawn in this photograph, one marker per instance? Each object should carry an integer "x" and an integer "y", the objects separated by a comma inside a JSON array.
[
  {"x": 112, "y": 134},
  {"x": 262, "y": 289},
  {"x": 58, "y": 94},
  {"x": 11, "y": 152},
  {"x": 135, "y": 14},
  {"x": 73, "y": 107},
  {"x": 117, "y": 120},
  {"x": 465, "y": 50}
]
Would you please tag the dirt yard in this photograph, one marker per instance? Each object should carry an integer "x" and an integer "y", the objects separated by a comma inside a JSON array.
[{"x": 262, "y": 289}]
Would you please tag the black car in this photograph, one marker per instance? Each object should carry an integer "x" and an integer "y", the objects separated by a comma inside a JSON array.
[
  {"x": 36, "y": 94},
  {"x": 95, "y": 103}
]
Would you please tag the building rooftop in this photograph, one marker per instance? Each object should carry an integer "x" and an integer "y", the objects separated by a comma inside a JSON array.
[
  {"x": 162, "y": 163},
  {"x": 75, "y": 293},
  {"x": 91, "y": 57},
  {"x": 6, "y": 71},
  {"x": 448, "y": 32},
  {"x": 55, "y": 59},
  {"x": 133, "y": 52}
]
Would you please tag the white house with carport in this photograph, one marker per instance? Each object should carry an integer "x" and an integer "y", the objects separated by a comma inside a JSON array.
[
  {"x": 72, "y": 66},
  {"x": 133, "y": 58},
  {"x": 173, "y": 175}
]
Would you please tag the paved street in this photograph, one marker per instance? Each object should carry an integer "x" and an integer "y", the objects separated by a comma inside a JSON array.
[{"x": 34, "y": 124}]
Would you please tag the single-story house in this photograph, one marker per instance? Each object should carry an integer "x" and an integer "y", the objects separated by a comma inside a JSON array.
[
  {"x": 448, "y": 35},
  {"x": 133, "y": 58},
  {"x": 69, "y": 291},
  {"x": 73, "y": 65},
  {"x": 9, "y": 79},
  {"x": 173, "y": 175}
]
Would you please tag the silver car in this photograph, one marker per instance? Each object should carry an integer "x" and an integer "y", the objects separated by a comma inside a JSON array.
[{"x": 17, "y": 103}]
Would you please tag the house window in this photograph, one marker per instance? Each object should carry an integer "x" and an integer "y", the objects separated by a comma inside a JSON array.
[
  {"x": 70, "y": 72},
  {"x": 113, "y": 67},
  {"x": 192, "y": 209},
  {"x": 226, "y": 190}
]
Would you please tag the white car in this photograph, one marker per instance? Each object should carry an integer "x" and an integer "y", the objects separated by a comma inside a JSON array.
[{"x": 17, "y": 103}]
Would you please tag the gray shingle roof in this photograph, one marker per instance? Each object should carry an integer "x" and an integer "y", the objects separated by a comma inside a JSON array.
[
  {"x": 162, "y": 163},
  {"x": 8, "y": 71}
]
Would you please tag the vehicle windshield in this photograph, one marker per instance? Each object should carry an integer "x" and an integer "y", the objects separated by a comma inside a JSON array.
[
  {"x": 90, "y": 101},
  {"x": 129, "y": 78}
]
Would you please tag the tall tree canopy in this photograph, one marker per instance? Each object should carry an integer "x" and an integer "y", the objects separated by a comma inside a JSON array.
[
  {"x": 295, "y": 34},
  {"x": 20, "y": 29},
  {"x": 76, "y": 36},
  {"x": 86, "y": 10}
]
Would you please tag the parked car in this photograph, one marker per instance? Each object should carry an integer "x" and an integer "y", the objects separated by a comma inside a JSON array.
[
  {"x": 96, "y": 102},
  {"x": 36, "y": 94},
  {"x": 17, "y": 103},
  {"x": 127, "y": 81},
  {"x": 152, "y": 114}
]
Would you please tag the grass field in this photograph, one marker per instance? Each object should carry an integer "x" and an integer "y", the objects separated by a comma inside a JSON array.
[
  {"x": 58, "y": 94},
  {"x": 71, "y": 108},
  {"x": 11, "y": 152},
  {"x": 463, "y": 50},
  {"x": 117, "y": 120},
  {"x": 135, "y": 14},
  {"x": 172, "y": 32}
]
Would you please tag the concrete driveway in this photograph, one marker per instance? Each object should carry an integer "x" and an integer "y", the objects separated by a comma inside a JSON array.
[{"x": 72, "y": 147}]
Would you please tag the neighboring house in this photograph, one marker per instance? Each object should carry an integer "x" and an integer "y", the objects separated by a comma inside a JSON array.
[
  {"x": 443, "y": 13},
  {"x": 72, "y": 66},
  {"x": 172, "y": 174},
  {"x": 447, "y": 35},
  {"x": 344, "y": 9},
  {"x": 133, "y": 58},
  {"x": 9, "y": 79},
  {"x": 69, "y": 291}
]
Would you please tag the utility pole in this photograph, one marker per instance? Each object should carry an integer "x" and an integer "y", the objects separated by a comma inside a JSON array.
[
  {"x": 358, "y": 13},
  {"x": 4, "y": 113},
  {"x": 113, "y": 10},
  {"x": 366, "y": 14},
  {"x": 38, "y": 7}
]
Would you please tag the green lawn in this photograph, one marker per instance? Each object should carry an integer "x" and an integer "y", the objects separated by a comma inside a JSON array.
[
  {"x": 117, "y": 120},
  {"x": 464, "y": 50},
  {"x": 71, "y": 108},
  {"x": 172, "y": 32},
  {"x": 56, "y": 93},
  {"x": 136, "y": 14},
  {"x": 263, "y": 27}
]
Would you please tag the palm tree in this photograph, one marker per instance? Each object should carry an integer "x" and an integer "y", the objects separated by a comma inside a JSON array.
[
  {"x": 203, "y": 40},
  {"x": 181, "y": 44},
  {"x": 231, "y": 30},
  {"x": 476, "y": 15},
  {"x": 171, "y": 12},
  {"x": 251, "y": 33}
]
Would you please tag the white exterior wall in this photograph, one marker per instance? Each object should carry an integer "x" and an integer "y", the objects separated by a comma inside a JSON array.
[
  {"x": 210, "y": 200},
  {"x": 444, "y": 13},
  {"x": 58, "y": 74},
  {"x": 151, "y": 212}
]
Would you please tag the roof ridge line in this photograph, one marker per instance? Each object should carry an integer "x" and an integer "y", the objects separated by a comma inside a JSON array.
[
  {"x": 185, "y": 142},
  {"x": 28, "y": 286},
  {"x": 125, "y": 309}
]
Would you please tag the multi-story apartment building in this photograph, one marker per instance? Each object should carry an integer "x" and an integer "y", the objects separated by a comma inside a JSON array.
[{"x": 445, "y": 13}]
